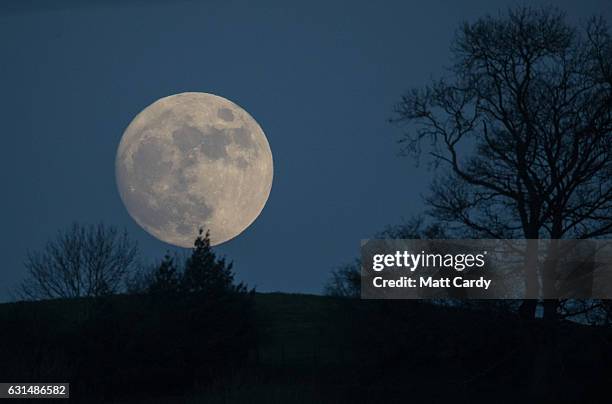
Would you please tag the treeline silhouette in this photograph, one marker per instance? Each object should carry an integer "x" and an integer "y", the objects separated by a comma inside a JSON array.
[
  {"x": 187, "y": 332},
  {"x": 182, "y": 323}
]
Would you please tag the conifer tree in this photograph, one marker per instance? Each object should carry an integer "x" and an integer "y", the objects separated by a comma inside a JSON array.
[
  {"x": 165, "y": 278},
  {"x": 204, "y": 272}
]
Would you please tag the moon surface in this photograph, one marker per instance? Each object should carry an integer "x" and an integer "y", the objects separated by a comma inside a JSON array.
[{"x": 191, "y": 161}]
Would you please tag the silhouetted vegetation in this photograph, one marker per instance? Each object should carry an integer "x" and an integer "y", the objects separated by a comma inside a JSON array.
[
  {"x": 345, "y": 280},
  {"x": 523, "y": 127},
  {"x": 165, "y": 279},
  {"x": 186, "y": 326},
  {"x": 81, "y": 261},
  {"x": 205, "y": 273}
]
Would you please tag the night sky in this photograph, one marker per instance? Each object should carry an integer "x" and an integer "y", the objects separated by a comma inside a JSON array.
[{"x": 321, "y": 78}]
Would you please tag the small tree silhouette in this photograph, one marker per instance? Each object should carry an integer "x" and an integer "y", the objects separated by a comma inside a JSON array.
[
  {"x": 165, "y": 278},
  {"x": 345, "y": 280},
  {"x": 204, "y": 272},
  {"x": 213, "y": 316},
  {"x": 82, "y": 261}
]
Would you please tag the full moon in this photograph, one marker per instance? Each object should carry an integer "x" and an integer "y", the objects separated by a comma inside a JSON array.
[{"x": 191, "y": 161}]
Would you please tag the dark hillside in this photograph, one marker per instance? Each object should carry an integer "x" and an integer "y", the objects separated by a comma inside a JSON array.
[{"x": 308, "y": 348}]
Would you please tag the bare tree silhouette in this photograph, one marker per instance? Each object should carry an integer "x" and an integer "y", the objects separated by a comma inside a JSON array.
[
  {"x": 524, "y": 124},
  {"x": 345, "y": 280},
  {"x": 81, "y": 261}
]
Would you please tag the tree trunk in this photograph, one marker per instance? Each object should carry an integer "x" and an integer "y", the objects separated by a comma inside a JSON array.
[
  {"x": 549, "y": 280},
  {"x": 530, "y": 272}
]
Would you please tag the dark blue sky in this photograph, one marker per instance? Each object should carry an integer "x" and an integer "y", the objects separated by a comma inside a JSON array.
[{"x": 321, "y": 78}]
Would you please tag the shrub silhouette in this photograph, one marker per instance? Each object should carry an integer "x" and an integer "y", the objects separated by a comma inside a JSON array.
[
  {"x": 205, "y": 273},
  {"x": 166, "y": 278}
]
